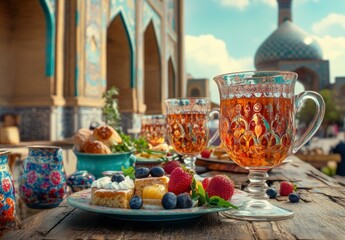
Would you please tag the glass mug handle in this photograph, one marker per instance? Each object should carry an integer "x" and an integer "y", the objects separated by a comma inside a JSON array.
[
  {"x": 214, "y": 111},
  {"x": 317, "y": 120}
]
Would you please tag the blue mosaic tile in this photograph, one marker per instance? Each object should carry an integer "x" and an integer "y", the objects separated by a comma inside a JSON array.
[{"x": 288, "y": 42}]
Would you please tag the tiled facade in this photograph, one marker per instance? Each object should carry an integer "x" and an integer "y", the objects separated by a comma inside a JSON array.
[{"x": 66, "y": 92}]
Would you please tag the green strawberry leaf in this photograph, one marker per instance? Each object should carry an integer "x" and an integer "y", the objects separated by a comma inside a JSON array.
[
  {"x": 130, "y": 172},
  {"x": 220, "y": 202}
]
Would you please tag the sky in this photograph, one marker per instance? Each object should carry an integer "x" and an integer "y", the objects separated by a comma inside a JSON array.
[{"x": 222, "y": 36}]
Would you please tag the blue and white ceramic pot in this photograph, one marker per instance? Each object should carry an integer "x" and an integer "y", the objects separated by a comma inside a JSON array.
[
  {"x": 7, "y": 193},
  {"x": 43, "y": 183},
  {"x": 80, "y": 180}
]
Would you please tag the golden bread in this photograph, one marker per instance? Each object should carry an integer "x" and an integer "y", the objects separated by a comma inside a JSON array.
[
  {"x": 80, "y": 138},
  {"x": 106, "y": 135},
  {"x": 96, "y": 147},
  {"x": 111, "y": 198}
]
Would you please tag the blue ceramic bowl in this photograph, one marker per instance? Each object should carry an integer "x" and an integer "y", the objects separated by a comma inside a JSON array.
[
  {"x": 98, "y": 163},
  {"x": 80, "y": 180}
]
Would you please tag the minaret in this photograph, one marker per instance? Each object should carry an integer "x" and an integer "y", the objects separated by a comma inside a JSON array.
[{"x": 284, "y": 11}]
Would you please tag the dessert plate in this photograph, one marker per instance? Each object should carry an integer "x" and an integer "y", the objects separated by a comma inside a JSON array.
[{"x": 81, "y": 200}]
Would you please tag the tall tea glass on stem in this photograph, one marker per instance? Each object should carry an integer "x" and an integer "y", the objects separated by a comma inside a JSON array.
[
  {"x": 257, "y": 128},
  {"x": 153, "y": 128},
  {"x": 187, "y": 129}
]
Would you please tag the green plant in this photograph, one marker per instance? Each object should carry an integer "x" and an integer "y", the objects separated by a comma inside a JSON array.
[{"x": 110, "y": 110}]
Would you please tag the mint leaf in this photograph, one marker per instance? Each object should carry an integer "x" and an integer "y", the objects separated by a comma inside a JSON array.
[
  {"x": 195, "y": 195},
  {"x": 130, "y": 172},
  {"x": 220, "y": 202},
  {"x": 202, "y": 195}
]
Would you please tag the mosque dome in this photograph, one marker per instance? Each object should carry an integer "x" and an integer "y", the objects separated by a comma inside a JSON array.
[{"x": 287, "y": 43}]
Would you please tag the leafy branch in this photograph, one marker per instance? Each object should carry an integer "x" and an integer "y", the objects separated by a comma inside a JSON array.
[{"x": 110, "y": 109}]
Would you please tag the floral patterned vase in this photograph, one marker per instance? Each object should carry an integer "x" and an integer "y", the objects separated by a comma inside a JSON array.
[
  {"x": 7, "y": 193},
  {"x": 43, "y": 182}
]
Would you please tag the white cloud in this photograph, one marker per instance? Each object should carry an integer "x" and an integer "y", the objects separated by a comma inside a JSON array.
[
  {"x": 240, "y": 4},
  {"x": 207, "y": 56},
  {"x": 243, "y": 4},
  {"x": 333, "y": 19},
  {"x": 333, "y": 50},
  {"x": 271, "y": 3}
]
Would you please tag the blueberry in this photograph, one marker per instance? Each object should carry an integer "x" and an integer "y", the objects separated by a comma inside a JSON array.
[
  {"x": 294, "y": 197},
  {"x": 136, "y": 202},
  {"x": 157, "y": 172},
  {"x": 184, "y": 201},
  {"x": 271, "y": 192},
  {"x": 142, "y": 172},
  {"x": 118, "y": 177},
  {"x": 169, "y": 200}
]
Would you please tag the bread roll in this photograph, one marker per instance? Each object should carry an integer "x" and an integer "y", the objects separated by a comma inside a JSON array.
[
  {"x": 80, "y": 138},
  {"x": 96, "y": 147},
  {"x": 106, "y": 135}
]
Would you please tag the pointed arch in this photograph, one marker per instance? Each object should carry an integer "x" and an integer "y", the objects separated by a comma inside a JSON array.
[
  {"x": 48, "y": 9},
  {"x": 120, "y": 62},
  {"x": 152, "y": 71},
  {"x": 171, "y": 80}
]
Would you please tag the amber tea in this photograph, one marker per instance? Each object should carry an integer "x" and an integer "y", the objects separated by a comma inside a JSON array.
[
  {"x": 257, "y": 132},
  {"x": 153, "y": 133},
  {"x": 187, "y": 132}
]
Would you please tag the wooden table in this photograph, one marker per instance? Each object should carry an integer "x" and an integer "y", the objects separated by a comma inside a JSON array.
[{"x": 320, "y": 215}]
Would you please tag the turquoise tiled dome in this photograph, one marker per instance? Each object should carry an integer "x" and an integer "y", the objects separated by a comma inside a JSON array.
[{"x": 288, "y": 42}]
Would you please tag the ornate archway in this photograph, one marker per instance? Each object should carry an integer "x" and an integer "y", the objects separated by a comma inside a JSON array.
[
  {"x": 119, "y": 62},
  {"x": 152, "y": 72},
  {"x": 24, "y": 46},
  {"x": 171, "y": 80}
]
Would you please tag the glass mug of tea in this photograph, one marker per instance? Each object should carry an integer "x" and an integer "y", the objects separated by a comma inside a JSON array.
[
  {"x": 153, "y": 129},
  {"x": 257, "y": 129},
  {"x": 187, "y": 126}
]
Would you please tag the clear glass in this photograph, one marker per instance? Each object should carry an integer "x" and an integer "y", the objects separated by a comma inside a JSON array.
[
  {"x": 187, "y": 128},
  {"x": 153, "y": 129},
  {"x": 257, "y": 128}
]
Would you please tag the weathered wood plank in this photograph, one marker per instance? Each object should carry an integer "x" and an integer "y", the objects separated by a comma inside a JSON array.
[{"x": 40, "y": 224}]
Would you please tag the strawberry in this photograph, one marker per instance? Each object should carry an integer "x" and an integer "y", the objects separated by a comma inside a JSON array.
[
  {"x": 171, "y": 165},
  {"x": 222, "y": 186},
  {"x": 180, "y": 181},
  {"x": 205, "y": 182},
  {"x": 286, "y": 188},
  {"x": 206, "y": 153}
]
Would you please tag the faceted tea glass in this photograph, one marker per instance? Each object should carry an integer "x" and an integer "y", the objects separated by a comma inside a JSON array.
[
  {"x": 187, "y": 128},
  {"x": 153, "y": 128},
  {"x": 257, "y": 129}
]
